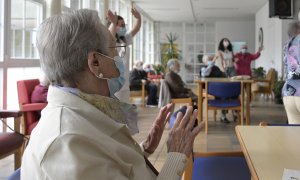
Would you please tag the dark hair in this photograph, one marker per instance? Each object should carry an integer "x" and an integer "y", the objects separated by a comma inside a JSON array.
[{"x": 221, "y": 46}]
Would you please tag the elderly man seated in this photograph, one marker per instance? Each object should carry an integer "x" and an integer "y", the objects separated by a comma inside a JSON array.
[
  {"x": 175, "y": 83},
  {"x": 137, "y": 75}
]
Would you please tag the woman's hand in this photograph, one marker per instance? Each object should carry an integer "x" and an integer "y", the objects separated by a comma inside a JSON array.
[
  {"x": 112, "y": 17},
  {"x": 182, "y": 136},
  {"x": 135, "y": 13},
  {"x": 157, "y": 129}
]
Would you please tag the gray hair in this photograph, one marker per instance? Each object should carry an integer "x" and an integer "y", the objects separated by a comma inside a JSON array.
[
  {"x": 293, "y": 29},
  {"x": 171, "y": 63},
  {"x": 64, "y": 41}
]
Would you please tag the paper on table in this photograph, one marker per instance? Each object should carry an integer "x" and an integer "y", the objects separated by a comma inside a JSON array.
[{"x": 290, "y": 174}]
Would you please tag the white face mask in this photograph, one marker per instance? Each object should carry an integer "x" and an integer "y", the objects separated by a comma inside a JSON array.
[
  {"x": 115, "y": 84},
  {"x": 244, "y": 51},
  {"x": 226, "y": 44}
]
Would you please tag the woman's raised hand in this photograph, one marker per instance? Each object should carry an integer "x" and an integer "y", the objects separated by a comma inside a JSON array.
[
  {"x": 153, "y": 139},
  {"x": 182, "y": 136}
]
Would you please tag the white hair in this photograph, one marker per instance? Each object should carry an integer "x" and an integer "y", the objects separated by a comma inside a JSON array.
[
  {"x": 293, "y": 28},
  {"x": 64, "y": 41},
  {"x": 171, "y": 63}
]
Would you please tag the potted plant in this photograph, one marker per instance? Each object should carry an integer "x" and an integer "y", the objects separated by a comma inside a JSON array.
[
  {"x": 169, "y": 50},
  {"x": 258, "y": 73},
  {"x": 277, "y": 89},
  {"x": 158, "y": 68}
]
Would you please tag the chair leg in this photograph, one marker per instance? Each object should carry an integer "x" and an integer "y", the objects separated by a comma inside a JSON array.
[
  {"x": 206, "y": 121},
  {"x": 215, "y": 115},
  {"x": 18, "y": 158}
]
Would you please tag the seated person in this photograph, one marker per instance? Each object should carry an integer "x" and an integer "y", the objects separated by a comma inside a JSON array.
[
  {"x": 137, "y": 75},
  {"x": 175, "y": 83},
  {"x": 39, "y": 94},
  {"x": 210, "y": 69}
]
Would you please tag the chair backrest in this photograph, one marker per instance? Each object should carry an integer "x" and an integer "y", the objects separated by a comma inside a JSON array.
[
  {"x": 271, "y": 76},
  {"x": 25, "y": 88},
  {"x": 224, "y": 89},
  {"x": 217, "y": 165},
  {"x": 30, "y": 114},
  {"x": 164, "y": 94}
]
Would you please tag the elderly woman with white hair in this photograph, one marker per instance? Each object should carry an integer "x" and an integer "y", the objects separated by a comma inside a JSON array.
[
  {"x": 175, "y": 83},
  {"x": 84, "y": 132}
]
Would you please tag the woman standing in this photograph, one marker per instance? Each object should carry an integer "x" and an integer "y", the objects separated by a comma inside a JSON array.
[
  {"x": 123, "y": 39},
  {"x": 291, "y": 88},
  {"x": 224, "y": 57}
]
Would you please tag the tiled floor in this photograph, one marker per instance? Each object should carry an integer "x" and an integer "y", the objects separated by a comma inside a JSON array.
[{"x": 221, "y": 137}]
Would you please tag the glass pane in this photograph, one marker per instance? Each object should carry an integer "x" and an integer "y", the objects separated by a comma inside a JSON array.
[
  {"x": 75, "y": 4},
  {"x": 199, "y": 38},
  {"x": 211, "y": 27},
  {"x": 67, "y": 3},
  {"x": 24, "y": 23},
  {"x": 16, "y": 42},
  {"x": 190, "y": 38},
  {"x": 13, "y": 75},
  {"x": 189, "y": 27},
  {"x": 210, "y": 48},
  {"x": 211, "y": 37},
  {"x": 199, "y": 49},
  {"x": 190, "y": 48},
  {"x": 200, "y": 27}
]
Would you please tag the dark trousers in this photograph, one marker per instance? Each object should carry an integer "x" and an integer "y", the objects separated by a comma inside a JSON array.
[{"x": 152, "y": 90}]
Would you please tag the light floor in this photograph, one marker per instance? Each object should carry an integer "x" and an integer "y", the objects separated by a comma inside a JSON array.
[{"x": 221, "y": 137}]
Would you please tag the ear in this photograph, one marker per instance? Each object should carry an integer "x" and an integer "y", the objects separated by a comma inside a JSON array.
[{"x": 93, "y": 63}]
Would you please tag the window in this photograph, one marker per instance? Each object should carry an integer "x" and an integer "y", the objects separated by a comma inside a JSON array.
[
  {"x": 24, "y": 23},
  {"x": 97, "y": 5}
]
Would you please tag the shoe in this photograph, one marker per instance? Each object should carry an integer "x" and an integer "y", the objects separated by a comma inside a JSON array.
[{"x": 225, "y": 120}]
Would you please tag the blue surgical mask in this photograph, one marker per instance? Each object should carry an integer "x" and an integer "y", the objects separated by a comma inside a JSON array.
[
  {"x": 122, "y": 31},
  {"x": 115, "y": 84}
]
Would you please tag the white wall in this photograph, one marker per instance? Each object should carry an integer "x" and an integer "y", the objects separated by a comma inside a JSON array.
[
  {"x": 237, "y": 31},
  {"x": 274, "y": 31}
]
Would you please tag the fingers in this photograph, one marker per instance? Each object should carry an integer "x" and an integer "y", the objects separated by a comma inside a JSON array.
[
  {"x": 191, "y": 121},
  {"x": 197, "y": 129}
]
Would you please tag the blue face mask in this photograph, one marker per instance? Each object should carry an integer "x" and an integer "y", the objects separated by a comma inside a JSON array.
[
  {"x": 115, "y": 84},
  {"x": 122, "y": 31}
]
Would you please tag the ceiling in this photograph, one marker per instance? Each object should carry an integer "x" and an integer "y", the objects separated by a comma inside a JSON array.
[{"x": 200, "y": 10}]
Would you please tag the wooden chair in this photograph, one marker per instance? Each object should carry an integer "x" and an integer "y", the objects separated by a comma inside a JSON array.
[
  {"x": 228, "y": 96},
  {"x": 30, "y": 115},
  {"x": 217, "y": 165},
  {"x": 165, "y": 96},
  {"x": 139, "y": 94},
  {"x": 12, "y": 142},
  {"x": 264, "y": 86}
]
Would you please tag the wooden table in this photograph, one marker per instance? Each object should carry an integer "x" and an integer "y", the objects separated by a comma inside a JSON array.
[
  {"x": 201, "y": 81},
  {"x": 270, "y": 149}
]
